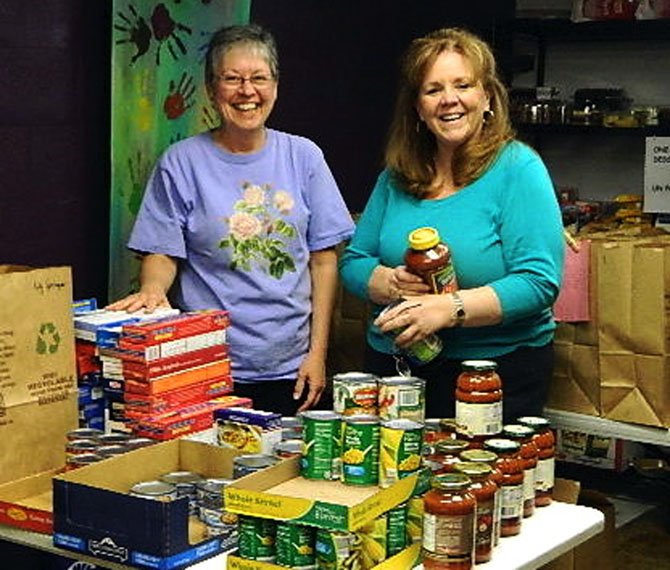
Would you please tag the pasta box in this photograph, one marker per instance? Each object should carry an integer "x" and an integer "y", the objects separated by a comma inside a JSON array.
[{"x": 95, "y": 515}]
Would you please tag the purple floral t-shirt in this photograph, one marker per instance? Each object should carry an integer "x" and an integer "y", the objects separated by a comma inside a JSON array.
[{"x": 242, "y": 227}]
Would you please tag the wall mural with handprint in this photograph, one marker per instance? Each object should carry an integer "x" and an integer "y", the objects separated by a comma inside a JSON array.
[{"x": 158, "y": 98}]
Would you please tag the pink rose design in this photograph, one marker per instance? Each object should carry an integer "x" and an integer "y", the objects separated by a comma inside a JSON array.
[
  {"x": 283, "y": 202},
  {"x": 254, "y": 195},
  {"x": 244, "y": 227}
]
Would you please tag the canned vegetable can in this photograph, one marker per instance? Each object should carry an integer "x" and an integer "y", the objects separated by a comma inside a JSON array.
[
  {"x": 355, "y": 393},
  {"x": 400, "y": 450},
  {"x": 295, "y": 546},
  {"x": 257, "y": 539},
  {"x": 322, "y": 448},
  {"x": 402, "y": 397},
  {"x": 360, "y": 450}
]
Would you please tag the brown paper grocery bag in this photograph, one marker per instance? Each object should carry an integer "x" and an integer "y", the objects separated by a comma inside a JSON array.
[{"x": 38, "y": 384}]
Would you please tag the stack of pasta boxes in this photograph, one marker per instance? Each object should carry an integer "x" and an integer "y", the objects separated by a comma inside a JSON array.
[{"x": 174, "y": 371}]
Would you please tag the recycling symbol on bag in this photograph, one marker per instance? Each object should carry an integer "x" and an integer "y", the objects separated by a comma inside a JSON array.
[{"x": 48, "y": 339}]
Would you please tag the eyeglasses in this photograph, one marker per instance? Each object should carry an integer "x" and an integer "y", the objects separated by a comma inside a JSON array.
[{"x": 232, "y": 81}]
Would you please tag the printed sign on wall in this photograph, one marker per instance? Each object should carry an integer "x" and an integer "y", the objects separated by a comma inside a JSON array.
[{"x": 657, "y": 175}]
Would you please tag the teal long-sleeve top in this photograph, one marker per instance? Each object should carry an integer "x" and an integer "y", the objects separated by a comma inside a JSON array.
[{"x": 504, "y": 230}]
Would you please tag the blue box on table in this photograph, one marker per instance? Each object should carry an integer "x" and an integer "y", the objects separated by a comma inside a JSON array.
[{"x": 95, "y": 515}]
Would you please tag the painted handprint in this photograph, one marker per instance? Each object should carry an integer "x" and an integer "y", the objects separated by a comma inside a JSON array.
[
  {"x": 209, "y": 118},
  {"x": 137, "y": 32},
  {"x": 180, "y": 97},
  {"x": 139, "y": 169},
  {"x": 166, "y": 31}
]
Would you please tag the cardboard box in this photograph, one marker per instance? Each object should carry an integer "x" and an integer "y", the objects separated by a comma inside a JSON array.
[
  {"x": 280, "y": 493},
  {"x": 597, "y": 553},
  {"x": 408, "y": 558},
  {"x": 94, "y": 514},
  {"x": 27, "y": 502}
]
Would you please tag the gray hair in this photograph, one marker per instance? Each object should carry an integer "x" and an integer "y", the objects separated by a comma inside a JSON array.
[{"x": 251, "y": 35}]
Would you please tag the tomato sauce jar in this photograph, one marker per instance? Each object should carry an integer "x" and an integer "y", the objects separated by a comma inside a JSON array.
[
  {"x": 479, "y": 400},
  {"x": 489, "y": 458},
  {"x": 511, "y": 466},
  {"x": 430, "y": 259},
  {"x": 546, "y": 448},
  {"x": 528, "y": 452},
  {"x": 449, "y": 523},
  {"x": 484, "y": 489},
  {"x": 447, "y": 453}
]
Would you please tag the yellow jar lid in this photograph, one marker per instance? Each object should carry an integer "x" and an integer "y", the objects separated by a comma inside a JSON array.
[{"x": 424, "y": 238}]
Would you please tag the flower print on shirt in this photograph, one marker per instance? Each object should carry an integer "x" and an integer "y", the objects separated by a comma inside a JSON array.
[{"x": 258, "y": 234}]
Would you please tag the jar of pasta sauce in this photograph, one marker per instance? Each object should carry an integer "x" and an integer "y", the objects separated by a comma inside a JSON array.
[
  {"x": 447, "y": 453},
  {"x": 524, "y": 435},
  {"x": 511, "y": 488},
  {"x": 449, "y": 523},
  {"x": 484, "y": 489},
  {"x": 546, "y": 451},
  {"x": 430, "y": 259},
  {"x": 489, "y": 458},
  {"x": 479, "y": 400}
]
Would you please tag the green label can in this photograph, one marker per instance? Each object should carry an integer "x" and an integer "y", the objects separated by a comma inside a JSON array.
[
  {"x": 400, "y": 450},
  {"x": 257, "y": 538},
  {"x": 337, "y": 550},
  {"x": 396, "y": 530},
  {"x": 360, "y": 450},
  {"x": 295, "y": 546},
  {"x": 322, "y": 447}
]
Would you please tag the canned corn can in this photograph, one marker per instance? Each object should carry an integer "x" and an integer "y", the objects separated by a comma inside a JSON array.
[
  {"x": 211, "y": 511},
  {"x": 401, "y": 441},
  {"x": 322, "y": 446},
  {"x": 360, "y": 450},
  {"x": 336, "y": 550},
  {"x": 257, "y": 538},
  {"x": 396, "y": 530},
  {"x": 355, "y": 393},
  {"x": 402, "y": 397},
  {"x": 295, "y": 546}
]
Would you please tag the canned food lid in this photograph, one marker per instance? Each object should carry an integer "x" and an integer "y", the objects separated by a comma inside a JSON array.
[
  {"x": 473, "y": 469},
  {"x": 517, "y": 430},
  {"x": 114, "y": 437},
  {"x": 136, "y": 442},
  {"x": 289, "y": 445},
  {"x": 451, "y": 481},
  {"x": 319, "y": 415},
  {"x": 106, "y": 450},
  {"x": 451, "y": 445},
  {"x": 402, "y": 423},
  {"x": 501, "y": 445},
  {"x": 85, "y": 458},
  {"x": 424, "y": 238},
  {"x": 84, "y": 433},
  {"x": 255, "y": 460},
  {"x": 213, "y": 485},
  {"x": 355, "y": 377},
  {"x": 479, "y": 365},
  {"x": 361, "y": 419},
  {"x": 82, "y": 444},
  {"x": 291, "y": 422},
  {"x": 432, "y": 424},
  {"x": 153, "y": 488},
  {"x": 402, "y": 380},
  {"x": 176, "y": 477},
  {"x": 534, "y": 421},
  {"x": 478, "y": 455}
]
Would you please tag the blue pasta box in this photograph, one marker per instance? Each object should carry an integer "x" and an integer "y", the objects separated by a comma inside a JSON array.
[{"x": 95, "y": 514}]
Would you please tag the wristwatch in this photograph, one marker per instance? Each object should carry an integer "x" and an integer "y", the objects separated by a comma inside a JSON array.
[{"x": 459, "y": 309}]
